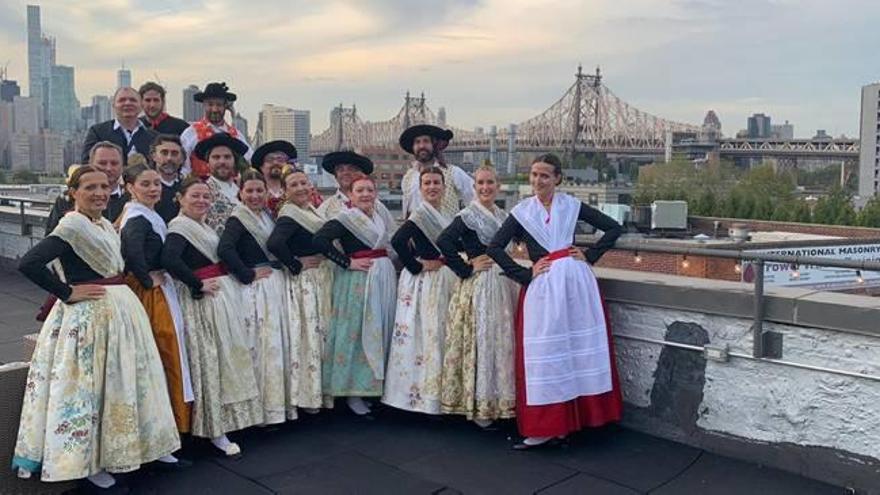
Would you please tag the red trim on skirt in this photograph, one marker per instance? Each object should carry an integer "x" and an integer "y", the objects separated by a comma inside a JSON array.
[{"x": 565, "y": 417}]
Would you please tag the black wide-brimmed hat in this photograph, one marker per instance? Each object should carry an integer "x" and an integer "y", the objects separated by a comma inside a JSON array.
[
  {"x": 215, "y": 90},
  {"x": 410, "y": 135},
  {"x": 204, "y": 147},
  {"x": 332, "y": 160},
  {"x": 271, "y": 147}
]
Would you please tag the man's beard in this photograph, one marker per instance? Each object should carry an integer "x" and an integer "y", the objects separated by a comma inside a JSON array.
[
  {"x": 223, "y": 174},
  {"x": 168, "y": 168},
  {"x": 425, "y": 156},
  {"x": 215, "y": 117},
  {"x": 275, "y": 173}
]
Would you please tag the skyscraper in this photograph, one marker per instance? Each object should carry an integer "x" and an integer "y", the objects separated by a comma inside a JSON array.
[
  {"x": 241, "y": 125},
  {"x": 287, "y": 124},
  {"x": 759, "y": 126},
  {"x": 27, "y": 115},
  {"x": 123, "y": 77},
  {"x": 9, "y": 90},
  {"x": 41, "y": 58},
  {"x": 192, "y": 110},
  {"x": 62, "y": 102},
  {"x": 869, "y": 157}
]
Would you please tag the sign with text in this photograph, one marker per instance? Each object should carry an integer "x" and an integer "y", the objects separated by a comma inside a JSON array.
[{"x": 817, "y": 277}]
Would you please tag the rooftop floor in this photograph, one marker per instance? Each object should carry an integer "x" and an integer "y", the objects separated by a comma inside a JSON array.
[{"x": 336, "y": 452}]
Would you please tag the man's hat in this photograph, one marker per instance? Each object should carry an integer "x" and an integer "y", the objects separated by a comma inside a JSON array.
[
  {"x": 332, "y": 160},
  {"x": 271, "y": 147},
  {"x": 204, "y": 147},
  {"x": 410, "y": 135},
  {"x": 215, "y": 90}
]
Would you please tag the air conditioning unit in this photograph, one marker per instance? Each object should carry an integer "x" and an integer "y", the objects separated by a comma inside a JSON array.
[
  {"x": 669, "y": 215},
  {"x": 620, "y": 213}
]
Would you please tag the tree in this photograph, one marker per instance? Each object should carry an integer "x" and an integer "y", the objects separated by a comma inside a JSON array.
[
  {"x": 835, "y": 209},
  {"x": 870, "y": 214},
  {"x": 25, "y": 177},
  {"x": 802, "y": 213}
]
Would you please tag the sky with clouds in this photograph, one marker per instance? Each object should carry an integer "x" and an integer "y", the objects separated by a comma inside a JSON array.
[{"x": 488, "y": 62}]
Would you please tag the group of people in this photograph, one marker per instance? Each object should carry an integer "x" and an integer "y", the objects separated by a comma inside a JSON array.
[{"x": 226, "y": 298}]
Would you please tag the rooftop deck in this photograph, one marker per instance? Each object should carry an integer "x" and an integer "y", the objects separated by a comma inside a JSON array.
[{"x": 336, "y": 452}]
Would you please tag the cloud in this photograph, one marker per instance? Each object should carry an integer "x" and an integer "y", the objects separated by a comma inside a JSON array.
[{"x": 488, "y": 62}]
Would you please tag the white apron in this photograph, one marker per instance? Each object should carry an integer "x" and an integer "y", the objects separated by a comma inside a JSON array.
[{"x": 565, "y": 344}]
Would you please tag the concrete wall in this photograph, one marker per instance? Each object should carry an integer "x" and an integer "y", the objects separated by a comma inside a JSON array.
[{"x": 822, "y": 423}]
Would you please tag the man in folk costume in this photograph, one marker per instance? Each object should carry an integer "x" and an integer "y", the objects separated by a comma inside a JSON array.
[
  {"x": 566, "y": 377},
  {"x": 216, "y": 99},
  {"x": 426, "y": 143},
  {"x": 270, "y": 159},
  {"x": 220, "y": 152},
  {"x": 345, "y": 166},
  {"x": 155, "y": 117}
]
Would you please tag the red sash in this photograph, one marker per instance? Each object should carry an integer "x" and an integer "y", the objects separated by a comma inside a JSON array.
[
  {"x": 369, "y": 253},
  {"x": 558, "y": 255},
  {"x": 50, "y": 301},
  {"x": 211, "y": 271}
]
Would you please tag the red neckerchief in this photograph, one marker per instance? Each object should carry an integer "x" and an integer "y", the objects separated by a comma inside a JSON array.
[{"x": 155, "y": 123}]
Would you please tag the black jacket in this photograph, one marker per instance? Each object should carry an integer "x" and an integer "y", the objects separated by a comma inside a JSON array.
[
  {"x": 168, "y": 125},
  {"x": 104, "y": 131}
]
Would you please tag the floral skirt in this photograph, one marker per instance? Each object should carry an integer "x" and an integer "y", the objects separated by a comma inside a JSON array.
[
  {"x": 95, "y": 397},
  {"x": 224, "y": 386},
  {"x": 478, "y": 367},
  {"x": 308, "y": 303},
  {"x": 346, "y": 371},
  {"x": 415, "y": 362},
  {"x": 266, "y": 324}
]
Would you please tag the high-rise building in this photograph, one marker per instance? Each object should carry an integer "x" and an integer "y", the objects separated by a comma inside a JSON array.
[
  {"x": 287, "y": 124},
  {"x": 63, "y": 105},
  {"x": 782, "y": 131},
  {"x": 302, "y": 132},
  {"x": 123, "y": 77},
  {"x": 441, "y": 116},
  {"x": 192, "y": 110},
  {"x": 759, "y": 126},
  {"x": 5, "y": 132},
  {"x": 241, "y": 124},
  {"x": 26, "y": 115},
  {"x": 869, "y": 142},
  {"x": 9, "y": 90},
  {"x": 99, "y": 111},
  {"x": 41, "y": 58}
]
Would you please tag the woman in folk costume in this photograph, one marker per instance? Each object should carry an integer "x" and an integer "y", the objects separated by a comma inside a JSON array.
[
  {"x": 95, "y": 401},
  {"x": 364, "y": 293},
  {"x": 143, "y": 234},
  {"x": 309, "y": 290},
  {"x": 478, "y": 378},
  {"x": 261, "y": 287},
  {"x": 566, "y": 377},
  {"x": 415, "y": 360},
  {"x": 222, "y": 371}
]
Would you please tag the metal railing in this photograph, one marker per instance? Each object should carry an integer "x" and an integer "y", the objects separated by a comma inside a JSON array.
[
  {"x": 23, "y": 204},
  {"x": 765, "y": 344}
]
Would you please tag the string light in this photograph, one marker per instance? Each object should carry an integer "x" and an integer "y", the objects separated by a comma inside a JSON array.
[
  {"x": 684, "y": 262},
  {"x": 637, "y": 257},
  {"x": 737, "y": 267},
  {"x": 859, "y": 279},
  {"x": 795, "y": 273}
]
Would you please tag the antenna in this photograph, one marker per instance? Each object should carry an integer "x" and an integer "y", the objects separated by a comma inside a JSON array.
[{"x": 4, "y": 71}]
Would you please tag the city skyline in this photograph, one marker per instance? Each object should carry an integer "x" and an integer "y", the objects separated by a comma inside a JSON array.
[{"x": 481, "y": 60}]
